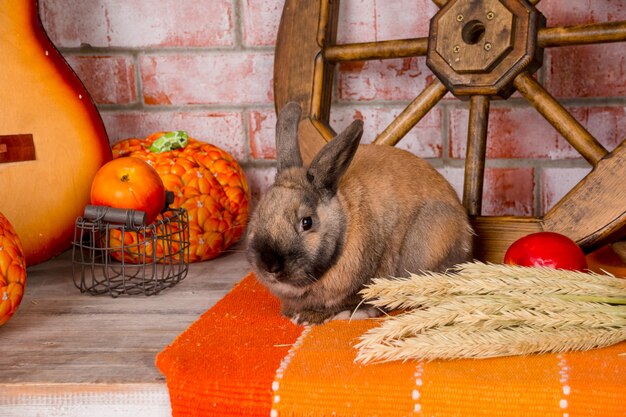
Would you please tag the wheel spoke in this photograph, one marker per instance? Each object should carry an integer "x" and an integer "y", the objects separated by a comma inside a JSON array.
[
  {"x": 560, "y": 118},
  {"x": 377, "y": 50},
  {"x": 582, "y": 34},
  {"x": 414, "y": 112},
  {"x": 476, "y": 150}
]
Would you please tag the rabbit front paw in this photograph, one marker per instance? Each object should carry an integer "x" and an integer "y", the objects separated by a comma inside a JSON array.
[{"x": 308, "y": 317}]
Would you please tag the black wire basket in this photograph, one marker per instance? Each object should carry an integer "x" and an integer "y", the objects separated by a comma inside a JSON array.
[{"x": 115, "y": 253}]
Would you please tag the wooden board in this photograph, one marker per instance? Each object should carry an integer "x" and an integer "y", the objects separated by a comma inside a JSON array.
[{"x": 89, "y": 354}]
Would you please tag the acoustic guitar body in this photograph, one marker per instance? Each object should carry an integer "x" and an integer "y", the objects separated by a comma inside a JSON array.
[{"x": 52, "y": 139}]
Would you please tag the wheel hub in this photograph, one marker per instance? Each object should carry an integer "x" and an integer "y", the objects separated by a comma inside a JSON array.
[{"x": 479, "y": 47}]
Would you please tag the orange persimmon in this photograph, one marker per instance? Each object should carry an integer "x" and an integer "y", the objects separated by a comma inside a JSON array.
[{"x": 129, "y": 183}]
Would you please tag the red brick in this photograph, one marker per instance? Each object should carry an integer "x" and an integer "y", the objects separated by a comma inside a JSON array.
[
  {"x": 260, "y": 21},
  {"x": 556, "y": 182},
  {"x": 139, "y": 23},
  {"x": 524, "y": 133},
  {"x": 377, "y": 20},
  {"x": 606, "y": 124},
  {"x": 356, "y": 21},
  {"x": 586, "y": 71},
  {"x": 512, "y": 133},
  {"x": 262, "y": 129},
  {"x": 223, "y": 129},
  {"x": 109, "y": 79},
  {"x": 507, "y": 191},
  {"x": 402, "y": 19},
  {"x": 423, "y": 140},
  {"x": 259, "y": 180},
  {"x": 455, "y": 176},
  {"x": 582, "y": 11},
  {"x": 392, "y": 79},
  {"x": 208, "y": 78}
]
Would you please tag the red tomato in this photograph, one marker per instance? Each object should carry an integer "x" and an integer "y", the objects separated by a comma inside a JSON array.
[
  {"x": 129, "y": 183},
  {"x": 546, "y": 249}
]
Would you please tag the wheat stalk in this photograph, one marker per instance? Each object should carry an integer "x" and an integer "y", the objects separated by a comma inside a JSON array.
[
  {"x": 481, "y": 279},
  {"x": 468, "y": 341},
  {"x": 484, "y": 310},
  {"x": 494, "y": 312}
]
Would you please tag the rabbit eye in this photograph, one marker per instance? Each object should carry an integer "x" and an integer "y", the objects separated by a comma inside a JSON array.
[{"x": 307, "y": 223}]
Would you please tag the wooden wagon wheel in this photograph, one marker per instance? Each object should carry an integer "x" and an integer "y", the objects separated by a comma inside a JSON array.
[{"x": 479, "y": 50}]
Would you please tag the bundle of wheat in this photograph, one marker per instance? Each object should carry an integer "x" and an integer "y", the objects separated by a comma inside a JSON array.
[{"x": 483, "y": 310}]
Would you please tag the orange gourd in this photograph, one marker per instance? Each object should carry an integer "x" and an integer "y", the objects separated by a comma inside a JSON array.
[
  {"x": 46, "y": 104},
  {"x": 12, "y": 270},
  {"x": 207, "y": 182}
]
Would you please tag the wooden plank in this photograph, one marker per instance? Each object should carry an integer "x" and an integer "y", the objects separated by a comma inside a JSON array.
[
  {"x": 494, "y": 234},
  {"x": 59, "y": 336},
  {"x": 79, "y": 400},
  {"x": 55, "y": 277},
  {"x": 594, "y": 211},
  {"x": 97, "y": 331},
  {"x": 86, "y": 367},
  {"x": 86, "y": 304}
]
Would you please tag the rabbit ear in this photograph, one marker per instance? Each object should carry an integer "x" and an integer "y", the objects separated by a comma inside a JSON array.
[
  {"x": 334, "y": 158},
  {"x": 287, "y": 147}
]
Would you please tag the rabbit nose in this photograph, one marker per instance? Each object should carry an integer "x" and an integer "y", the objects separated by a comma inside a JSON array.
[{"x": 272, "y": 261}]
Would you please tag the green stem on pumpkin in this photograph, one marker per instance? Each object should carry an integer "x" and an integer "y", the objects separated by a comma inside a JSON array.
[{"x": 170, "y": 141}]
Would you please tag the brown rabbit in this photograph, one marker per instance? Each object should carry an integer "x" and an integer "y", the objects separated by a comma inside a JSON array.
[{"x": 320, "y": 233}]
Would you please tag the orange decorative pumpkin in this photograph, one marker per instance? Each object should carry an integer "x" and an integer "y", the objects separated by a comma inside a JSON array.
[
  {"x": 162, "y": 242},
  {"x": 206, "y": 181},
  {"x": 12, "y": 270}
]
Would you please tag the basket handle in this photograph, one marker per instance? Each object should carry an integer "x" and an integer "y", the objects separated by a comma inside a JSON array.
[{"x": 129, "y": 218}]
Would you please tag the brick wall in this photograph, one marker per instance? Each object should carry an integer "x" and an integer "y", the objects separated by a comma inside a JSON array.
[{"x": 206, "y": 66}]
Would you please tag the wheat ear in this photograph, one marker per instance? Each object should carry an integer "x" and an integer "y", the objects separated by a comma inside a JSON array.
[
  {"x": 495, "y": 312},
  {"x": 481, "y": 279},
  {"x": 468, "y": 341},
  {"x": 482, "y": 310}
]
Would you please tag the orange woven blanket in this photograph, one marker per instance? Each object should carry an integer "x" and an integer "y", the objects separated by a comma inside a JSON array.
[{"x": 241, "y": 358}]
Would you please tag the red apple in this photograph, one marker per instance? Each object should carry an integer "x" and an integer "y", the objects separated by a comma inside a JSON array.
[
  {"x": 129, "y": 183},
  {"x": 548, "y": 249}
]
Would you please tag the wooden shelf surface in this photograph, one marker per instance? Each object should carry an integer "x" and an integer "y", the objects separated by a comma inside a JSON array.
[{"x": 65, "y": 353}]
